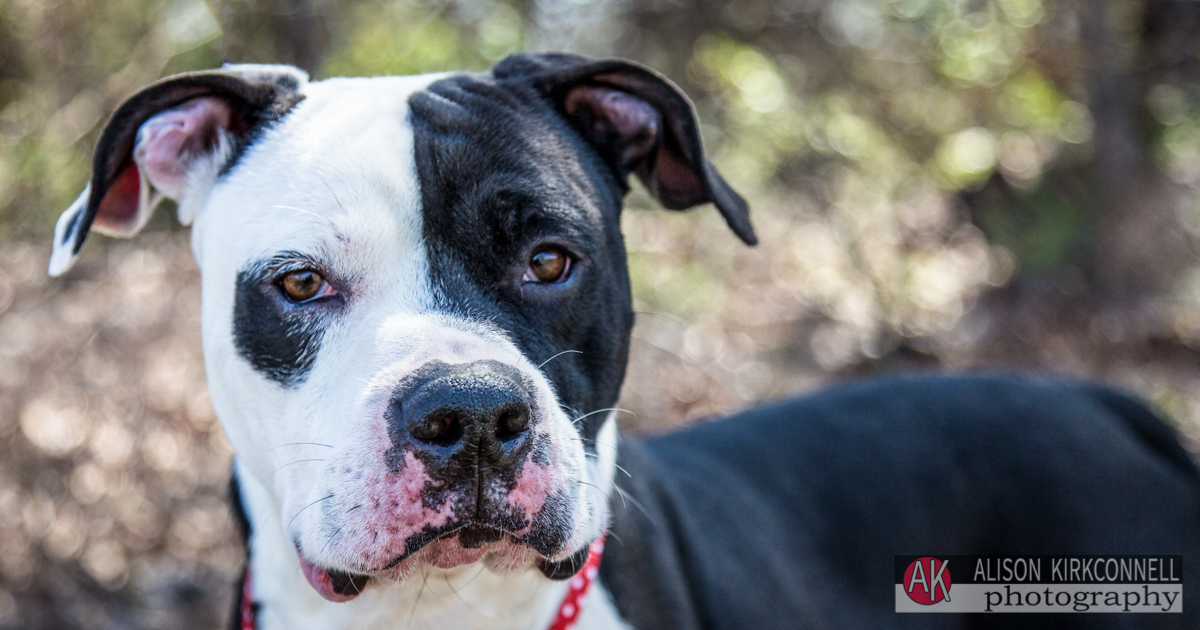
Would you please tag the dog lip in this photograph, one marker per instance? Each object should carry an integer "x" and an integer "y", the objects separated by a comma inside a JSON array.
[
  {"x": 331, "y": 584},
  {"x": 423, "y": 539},
  {"x": 477, "y": 535},
  {"x": 565, "y": 568},
  {"x": 476, "y": 529}
]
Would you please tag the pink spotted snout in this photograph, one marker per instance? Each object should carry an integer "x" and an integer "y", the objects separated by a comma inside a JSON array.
[{"x": 468, "y": 472}]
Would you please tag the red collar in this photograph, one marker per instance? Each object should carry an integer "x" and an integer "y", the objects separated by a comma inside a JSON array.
[
  {"x": 248, "y": 616},
  {"x": 568, "y": 610}
]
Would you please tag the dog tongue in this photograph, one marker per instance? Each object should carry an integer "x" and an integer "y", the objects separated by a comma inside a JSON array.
[{"x": 334, "y": 586}]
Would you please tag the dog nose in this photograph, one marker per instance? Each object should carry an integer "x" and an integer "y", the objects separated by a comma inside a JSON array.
[{"x": 444, "y": 408}]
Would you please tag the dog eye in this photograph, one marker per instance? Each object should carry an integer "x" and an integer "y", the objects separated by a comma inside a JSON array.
[
  {"x": 548, "y": 265},
  {"x": 304, "y": 285}
]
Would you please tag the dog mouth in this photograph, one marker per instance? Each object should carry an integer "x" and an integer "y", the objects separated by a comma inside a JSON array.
[
  {"x": 332, "y": 584},
  {"x": 337, "y": 585},
  {"x": 456, "y": 546}
]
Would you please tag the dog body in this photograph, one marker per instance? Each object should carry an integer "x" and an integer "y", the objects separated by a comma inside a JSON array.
[
  {"x": 416, "y": 318},
  {"x": 790, "y": 515}
]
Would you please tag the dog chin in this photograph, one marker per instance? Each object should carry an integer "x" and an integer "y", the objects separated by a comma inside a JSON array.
[
  {"x": 498, "y": 552},
  {"x": 505, "y": 555}
]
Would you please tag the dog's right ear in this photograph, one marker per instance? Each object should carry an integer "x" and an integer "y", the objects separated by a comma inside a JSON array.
[{"x": 171, "y": 140}]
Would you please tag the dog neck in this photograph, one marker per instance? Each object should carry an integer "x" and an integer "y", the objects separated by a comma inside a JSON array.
[{"x": 466, "y": 597}]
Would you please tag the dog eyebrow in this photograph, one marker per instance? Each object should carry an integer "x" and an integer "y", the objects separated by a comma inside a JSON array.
[
  {"x": 331, "y": 193},
  {"x": 315, "y": 214},
  {"x": 288, "y": 260}
]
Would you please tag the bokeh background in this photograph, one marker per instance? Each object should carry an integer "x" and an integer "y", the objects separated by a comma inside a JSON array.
[{"x": 938, "y": 184}]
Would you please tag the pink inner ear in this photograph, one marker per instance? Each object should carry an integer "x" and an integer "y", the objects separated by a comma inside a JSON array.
[
  {"x": 119, "y": 209},
  {"x": 169, "y": 142},
  {"x": 621, "y": 124},
  {"x": 627, "y": 129}
]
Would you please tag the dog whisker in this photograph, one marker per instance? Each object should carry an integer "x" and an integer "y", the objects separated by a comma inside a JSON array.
[
  {"x": 673, "y": 320},
  {"x": 602, "y": 493},
  {"x": 303, "y": 211},
  {"x": 298, "y": 461},
  {"x": 504, "y": 582},
  {"x": 330, "y": 541},
  {"x": 474, "y": 577},
  {"x": 331, "y": 193},
  {"x": 618, "y": 466},
  {"x": 300, "y": 444},
  {"x": 637, "y": 504},
  {"x": 446, "y": 579},
  {"x": 684, "y": 359},
  {"x": 424, "y": 584},
  {"x": 556, "y": 356},
  {"x": 592, "y": 413},
  {"x": 598, "y": 443},
  {"x": 584, "y": 483},
  {"x": 289, "y": 525}
]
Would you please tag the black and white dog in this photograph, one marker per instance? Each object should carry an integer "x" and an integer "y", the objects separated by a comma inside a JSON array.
[{"x": 416, "y": 318}]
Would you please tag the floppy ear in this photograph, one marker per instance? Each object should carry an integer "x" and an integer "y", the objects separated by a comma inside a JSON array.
[
  {"x": 170, "y": 140},
  {"x": 640, "y": 123}
]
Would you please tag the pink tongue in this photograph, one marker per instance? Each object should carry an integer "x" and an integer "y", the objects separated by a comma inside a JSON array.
[{"x": 322, "y": 582}]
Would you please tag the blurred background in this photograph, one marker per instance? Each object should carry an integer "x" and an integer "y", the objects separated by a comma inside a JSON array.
[{"x": 938, "y": 184}]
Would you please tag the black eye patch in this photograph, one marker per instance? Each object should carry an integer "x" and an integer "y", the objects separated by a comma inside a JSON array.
[{"x": 278, "y": 338}]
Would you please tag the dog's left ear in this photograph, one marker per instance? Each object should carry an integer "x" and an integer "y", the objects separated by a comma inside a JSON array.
[
  {"x": 170, "y": 140},
  {"x": 640, "y": 123}
]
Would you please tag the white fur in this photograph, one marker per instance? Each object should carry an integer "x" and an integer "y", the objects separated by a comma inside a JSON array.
[
  {"x": 62, "y": 257},
  {"x": 465, "y": 598},
  {"x": 337, "y": 181}
]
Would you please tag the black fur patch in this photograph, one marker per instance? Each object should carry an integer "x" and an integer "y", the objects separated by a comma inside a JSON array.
[
  {"x": 534, "y": 180},
  {"x": 549, "y": 532},
  {"x": 241, "y": 524},
  {"x": 279, "y": 338},
  {"x": 476, "y": 536}
]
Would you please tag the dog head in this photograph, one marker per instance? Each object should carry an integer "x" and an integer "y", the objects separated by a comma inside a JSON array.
[{"x": 416, "y": 309}]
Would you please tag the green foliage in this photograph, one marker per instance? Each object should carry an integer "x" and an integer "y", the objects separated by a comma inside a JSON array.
[
  {"x": 1042, "y": 227},
  {"x": 385, "y": 40},
  {"x": 886, "y": 116}
]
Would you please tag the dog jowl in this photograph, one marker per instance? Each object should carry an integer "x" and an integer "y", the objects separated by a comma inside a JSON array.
[{"x": 416, "y": 310}]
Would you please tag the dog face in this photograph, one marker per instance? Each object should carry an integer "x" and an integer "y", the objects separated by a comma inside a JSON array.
[{"x": 416, "y": 309}]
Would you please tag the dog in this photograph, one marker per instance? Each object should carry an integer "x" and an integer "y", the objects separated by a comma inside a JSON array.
[{"x": 416, "y": 317}]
